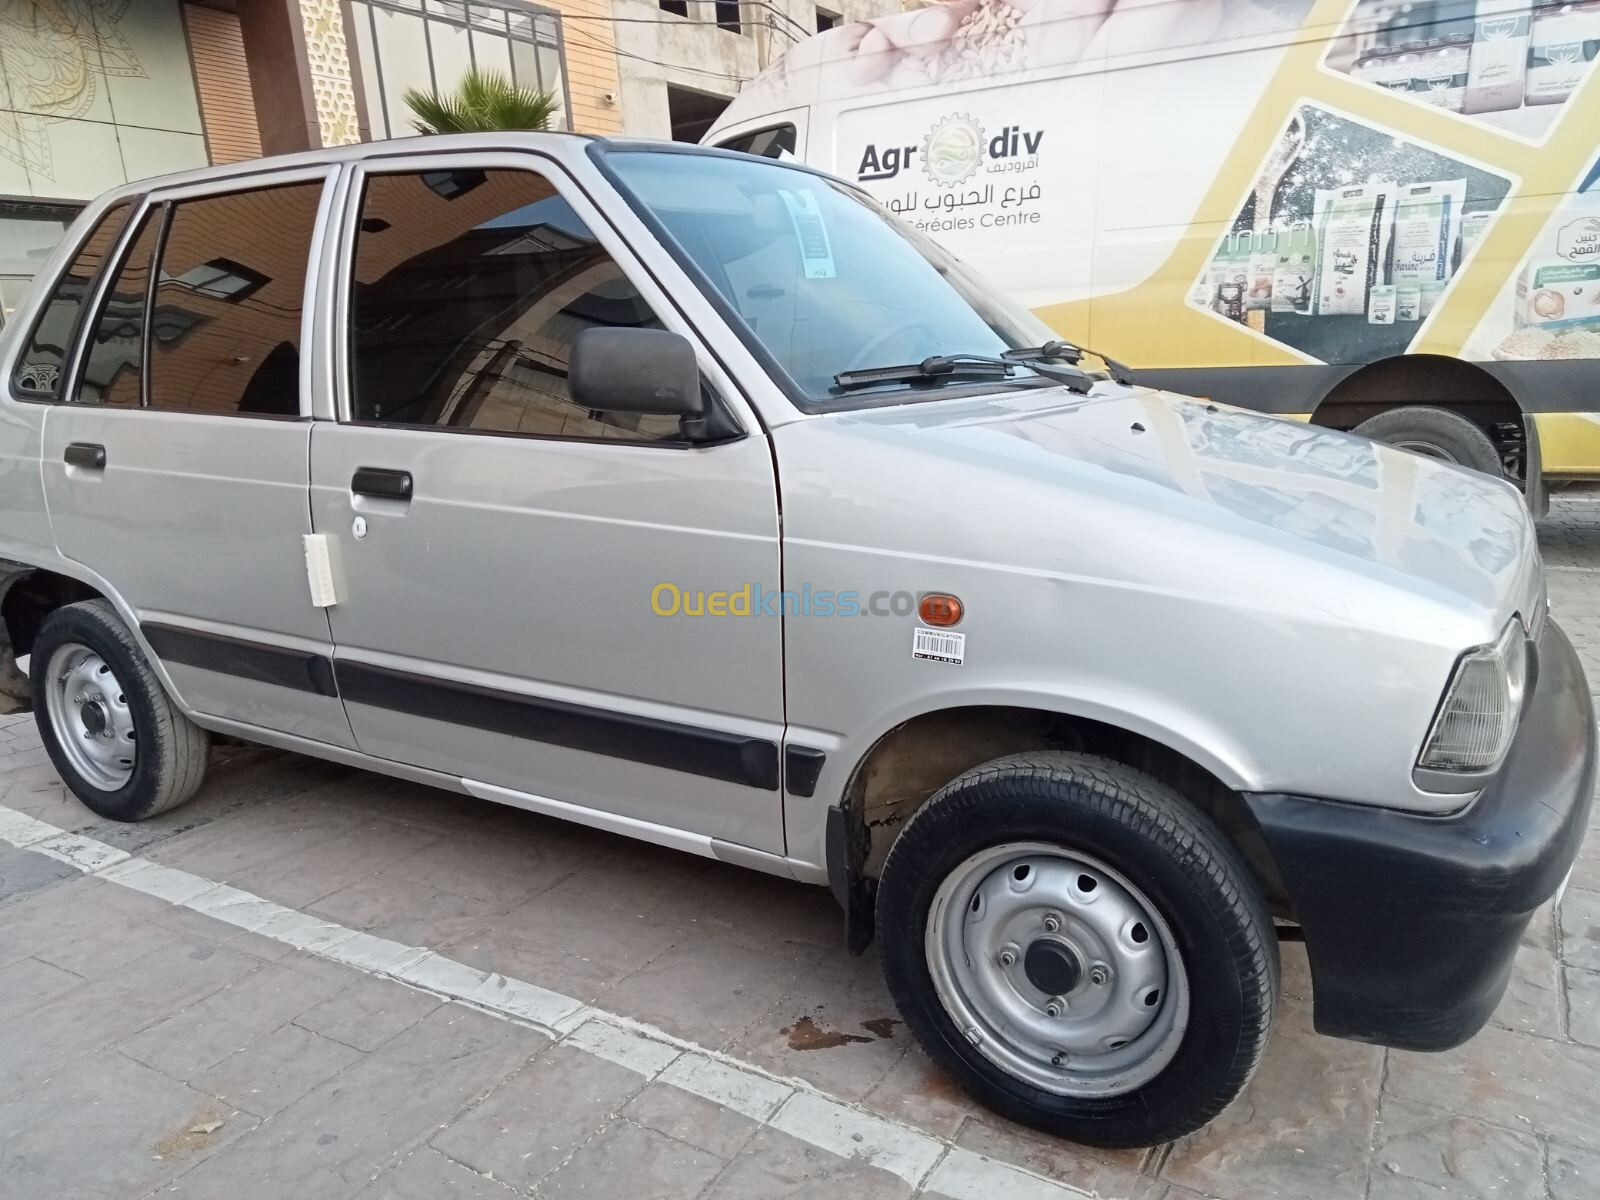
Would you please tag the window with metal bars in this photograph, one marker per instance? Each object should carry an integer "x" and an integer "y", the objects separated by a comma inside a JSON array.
[{"x": 402, "y": 44}]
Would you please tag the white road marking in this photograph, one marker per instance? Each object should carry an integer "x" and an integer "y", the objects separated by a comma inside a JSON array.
[{"x": 789, "y": 1105}]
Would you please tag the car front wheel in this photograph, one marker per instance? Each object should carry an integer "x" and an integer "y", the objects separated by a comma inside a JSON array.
[{"x": 1079, "y": 947}]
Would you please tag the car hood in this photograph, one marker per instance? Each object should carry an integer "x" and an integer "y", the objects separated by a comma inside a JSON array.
[{"x": 1044, "y": 463}]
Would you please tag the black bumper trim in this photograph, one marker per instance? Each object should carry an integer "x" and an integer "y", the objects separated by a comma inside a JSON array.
[{"x": 1411, "y": 922}]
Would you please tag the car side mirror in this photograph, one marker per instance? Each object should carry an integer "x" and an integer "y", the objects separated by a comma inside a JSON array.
[{"x": 648, "y": 371}]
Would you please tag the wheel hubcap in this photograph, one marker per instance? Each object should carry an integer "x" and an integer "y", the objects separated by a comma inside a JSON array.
[
  {"x": 89, "y": 713},
  {"x": 1057, "y": 969}
]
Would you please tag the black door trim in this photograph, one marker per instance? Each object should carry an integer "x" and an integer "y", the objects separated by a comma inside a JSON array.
[
  {"x": 801, "y": 767},
  {"x": 708, "y": 752},
  {"x": 297, "y": 669}
]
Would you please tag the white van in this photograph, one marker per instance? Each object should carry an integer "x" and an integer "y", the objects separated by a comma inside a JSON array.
[{"x": 1374, "y": 217}]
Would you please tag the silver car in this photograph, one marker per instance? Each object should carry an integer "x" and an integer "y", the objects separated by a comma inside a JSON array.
[{"x": 690, "y": 496}]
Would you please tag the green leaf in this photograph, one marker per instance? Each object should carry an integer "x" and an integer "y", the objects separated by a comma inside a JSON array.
[{"x": 483, "y": 101}]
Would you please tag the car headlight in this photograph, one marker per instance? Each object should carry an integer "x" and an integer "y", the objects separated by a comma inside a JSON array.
[{"x": 1478, "y": 716}]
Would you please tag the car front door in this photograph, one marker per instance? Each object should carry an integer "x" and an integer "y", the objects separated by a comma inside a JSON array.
[
  {"x": 176, "y": 473},
  {"x": 502, "y": 554}
]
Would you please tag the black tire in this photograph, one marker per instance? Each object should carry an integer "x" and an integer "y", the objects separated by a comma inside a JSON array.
[
  {"x": 1196, "y": 881},
  {"x": 1436, "y": 433},
  {"x": 170, "y": 761}
]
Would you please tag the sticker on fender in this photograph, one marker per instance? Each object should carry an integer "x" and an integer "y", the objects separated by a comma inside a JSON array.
[{"x": 938, "y": 645}]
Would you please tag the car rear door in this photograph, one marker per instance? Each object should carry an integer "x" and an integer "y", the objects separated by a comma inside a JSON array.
[
  {"x": 500, "y": 551},
  {"x": 176, "y": 472}
]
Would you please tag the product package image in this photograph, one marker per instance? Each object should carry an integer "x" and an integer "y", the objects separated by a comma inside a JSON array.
[
  {"x": 1353, "y": 228},
  {"x": 1507, "y": 64},
  {"x": 1357, "y": 266}
]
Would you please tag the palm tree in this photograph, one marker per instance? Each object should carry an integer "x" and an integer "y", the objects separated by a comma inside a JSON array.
[{"x": 484, "y": 101}]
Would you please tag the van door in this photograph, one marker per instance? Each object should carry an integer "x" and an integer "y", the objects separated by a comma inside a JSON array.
[
  {"x": 504, "y": 555},
  {"x": 177, "y": 471}
]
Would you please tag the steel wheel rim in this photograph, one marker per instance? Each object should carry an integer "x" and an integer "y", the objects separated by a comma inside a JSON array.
[
  {"x": 1427, "y": 450},
  {"x": 89, "y": 713},
  {"x": 1122, "y": 1020}
]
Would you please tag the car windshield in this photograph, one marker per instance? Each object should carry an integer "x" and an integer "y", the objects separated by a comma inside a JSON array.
[{"x": 824, "y": 280}]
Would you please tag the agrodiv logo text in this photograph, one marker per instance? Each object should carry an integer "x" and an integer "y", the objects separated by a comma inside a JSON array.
[{"x": 952, "y": 151}]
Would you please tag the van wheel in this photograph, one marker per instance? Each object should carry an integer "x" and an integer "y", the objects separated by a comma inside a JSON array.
[
  {"x": 1435, "y": 433},
  {"x": 109, "y": 726},
  {"x": 1079, "y": 948}
]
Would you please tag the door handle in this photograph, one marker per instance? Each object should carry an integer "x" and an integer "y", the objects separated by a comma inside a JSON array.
[
  {"x": 86, "y": 454},
  {"x": 381, "y": 483}
]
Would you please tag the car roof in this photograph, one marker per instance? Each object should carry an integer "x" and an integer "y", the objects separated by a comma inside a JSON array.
[
  {"x": 557, "y": 144},
  {"x": 562, "y": 146}
]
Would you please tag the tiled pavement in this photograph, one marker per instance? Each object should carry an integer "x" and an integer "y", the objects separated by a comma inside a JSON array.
[{"x": 148, "y": 1049}]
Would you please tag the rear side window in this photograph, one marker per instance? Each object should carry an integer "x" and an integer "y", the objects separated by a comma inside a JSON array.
[
  {"x": 775, "y": 142},
  {"x": 469, "y": 289},
  {"x": 44, "y": 358},
  {"x": 114, "y": 357},
  {"x": 225, "y": 327}
]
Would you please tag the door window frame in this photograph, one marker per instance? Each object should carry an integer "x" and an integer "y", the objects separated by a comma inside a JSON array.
[
  {"x": 337, "y": 375},
  {"x": 153, "y": 202}
]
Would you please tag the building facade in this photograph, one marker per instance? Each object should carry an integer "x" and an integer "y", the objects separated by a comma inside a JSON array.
[{"x": 95, "y": 93}]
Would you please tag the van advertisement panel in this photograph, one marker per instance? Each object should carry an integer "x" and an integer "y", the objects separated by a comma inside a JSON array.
[
  {"x": 1199, "y": 185},
  {"x": 1507, "y": 64},
  {"x": 982, "y": 176},
  {"x": 1350, "y": 239},
  {"x": 1550, "y": 308},
  {"x": 1026, "y": 180}
]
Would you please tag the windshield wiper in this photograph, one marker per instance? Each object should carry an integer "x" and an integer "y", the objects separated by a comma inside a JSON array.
[
  {"x": 1071, "y": 353},
  {"x": 938, "y": 367}
]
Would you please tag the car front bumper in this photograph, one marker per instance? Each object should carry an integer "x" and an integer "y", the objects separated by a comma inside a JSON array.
[{"x": 1411, "y": 922}]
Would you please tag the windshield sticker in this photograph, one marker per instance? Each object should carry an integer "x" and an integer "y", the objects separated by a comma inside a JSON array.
[{"x": 815, "y": 252}]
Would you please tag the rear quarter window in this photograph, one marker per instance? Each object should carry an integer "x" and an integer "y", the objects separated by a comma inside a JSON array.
[{"x": 44, "y": 355}]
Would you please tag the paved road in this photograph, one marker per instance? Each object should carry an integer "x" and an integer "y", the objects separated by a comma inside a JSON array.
[{"x": 404, "y": 993}]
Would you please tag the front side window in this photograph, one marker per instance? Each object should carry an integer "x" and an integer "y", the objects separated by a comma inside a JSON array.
[
  {"x": 225, "y": 328},
  {"x": 114, "y": 356},
  {"x": 822, "y": 278},
  {"x": 44, "y": 358},
  {"x": 469, "y": 288},
  {"x": 775, "y": 142}
]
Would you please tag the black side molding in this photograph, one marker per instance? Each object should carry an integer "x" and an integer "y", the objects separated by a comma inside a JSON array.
[
  {"x": 801, "y": 766},
  {"x": 297, "y": 669},
  {"x": 709, "y": 752}
]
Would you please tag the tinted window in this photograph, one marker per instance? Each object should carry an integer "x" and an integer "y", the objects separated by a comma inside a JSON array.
[
  {"x": 114, "y": 354},
  {"x": 777, "y": 142},
  {"x": 469, "y": 289},
  {"x": 225, "y": 330},
  {"x": 43, "y": 360}
]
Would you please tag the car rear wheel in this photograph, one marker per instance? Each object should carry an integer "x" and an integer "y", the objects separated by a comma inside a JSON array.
[
  {"x": 1435, "y": 433},
  {"x": 113, "y": 733},
  {"x": 1080, "y": 948}
]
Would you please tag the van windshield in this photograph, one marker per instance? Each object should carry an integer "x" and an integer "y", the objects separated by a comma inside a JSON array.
[{"x": 824, "y": 280}]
